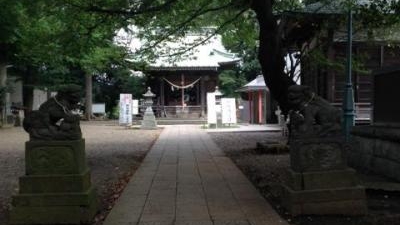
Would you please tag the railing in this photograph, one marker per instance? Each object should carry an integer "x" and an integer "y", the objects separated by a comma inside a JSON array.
[
  {"x": 363, "y": 112},
  {"x": 187, "y": 112}
]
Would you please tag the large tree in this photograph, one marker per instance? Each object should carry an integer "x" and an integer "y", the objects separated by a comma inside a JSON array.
[
  {"x": 83, "y": 26},
  {"x": 278, "y": 30},
  {"x": 57, "y": 43}
]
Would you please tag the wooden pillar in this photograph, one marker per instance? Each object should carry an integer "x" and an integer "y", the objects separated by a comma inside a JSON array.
[
  {"x": 250, "y": 106},
  {"x": 3, "y": 80},
  {"x": 88, "y": 96},
  {"x": 260, "y": 111},
  {"x": 266, "y": 107},
  {"x": 198, "y": 93},
  {"x": 162, "y": 93},
  {"x": 382, "y": 56},
  {"x": 183, "y": 90},
  {"x": 202, "y": 96},
  {"x": 330, "y": 84},
  {"x": 3, "y": 75}
]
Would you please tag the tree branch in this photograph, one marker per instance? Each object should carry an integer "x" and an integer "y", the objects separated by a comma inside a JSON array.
[
  {"x": 129, "y": 12},
  {"x": 227, "y": 22},
  {"x": 199, "y": 12}
]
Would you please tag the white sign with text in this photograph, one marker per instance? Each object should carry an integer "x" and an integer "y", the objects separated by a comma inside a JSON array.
[
  {"x": 211, "y": 109},
  {"x": 135, "y": 106},
  {"x": 125, "y": 109},
  {"x": 228, "y": 111}
]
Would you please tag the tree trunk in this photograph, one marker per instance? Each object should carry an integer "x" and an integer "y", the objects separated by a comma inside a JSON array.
[
  {"x": 3, "y": 79},
  {"x": 271, "y": 54},
  {"x": 88, "y": 96},
  {"x": 27, "y": 89}
]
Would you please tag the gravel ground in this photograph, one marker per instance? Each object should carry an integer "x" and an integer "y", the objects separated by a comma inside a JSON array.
[
  {"x": 266, "y": 171},
  {"x": 113, "y": 154}
]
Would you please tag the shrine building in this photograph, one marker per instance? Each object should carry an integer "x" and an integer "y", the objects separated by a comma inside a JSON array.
[{"x": 181, "y": 85}]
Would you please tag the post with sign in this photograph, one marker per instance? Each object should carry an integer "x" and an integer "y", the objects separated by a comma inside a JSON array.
[{"x": 125, "y": 109}]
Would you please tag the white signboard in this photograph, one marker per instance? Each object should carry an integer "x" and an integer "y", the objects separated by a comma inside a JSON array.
[
  {"x": 211, "y": 110},
  {"x": 135, "y": 106},
  {"x": 125, "y": 109},
  {"x": 99, "y": 108},
  {"x": 228, "y": 110}
]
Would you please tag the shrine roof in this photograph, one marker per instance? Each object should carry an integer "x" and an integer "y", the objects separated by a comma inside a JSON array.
[
  {"x": 210, "y": 55},
  {"x": 206, "y": 53},
  {"x": 182, "y": 68},
  {"x": 257, "y": 84}
]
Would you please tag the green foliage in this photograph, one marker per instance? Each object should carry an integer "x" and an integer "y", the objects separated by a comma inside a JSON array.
[
  {"x": 51, "y": 42},
  {"x": 230, "y": 81},
  {"x": 116, "y": 80}
]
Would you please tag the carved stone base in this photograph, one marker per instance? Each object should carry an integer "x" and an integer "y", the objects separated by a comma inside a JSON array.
[
  {"x": 56, "y": 188},
  {"x": 324, "y": 192},
  {"x": 334, "y": 201},
  {"x": 320, "y": 182}
]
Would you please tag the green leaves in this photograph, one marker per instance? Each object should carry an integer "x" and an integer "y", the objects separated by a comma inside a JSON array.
[{"x": 230, "y": 81}]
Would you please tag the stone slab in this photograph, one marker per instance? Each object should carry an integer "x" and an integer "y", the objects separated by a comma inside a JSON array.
[
  {"x": 322, "y": 179},
  {"x": 344, "y": 207},
  {"x": 325, "y": 195},
  {"x": 52, "y": 215},
  {"x": 55, "y": 199},
  {"x": 343, "y": 201},
  {"x": 55, "y": 183}
]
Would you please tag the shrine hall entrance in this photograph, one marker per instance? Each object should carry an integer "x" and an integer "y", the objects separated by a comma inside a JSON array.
[{"x": 182, "y": 93}]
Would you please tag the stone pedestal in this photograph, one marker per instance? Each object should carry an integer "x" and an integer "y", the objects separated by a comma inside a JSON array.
[
  {"x": 319, "y": 180},
  {"x": 149, "y": 120},
  {"x": 56, "y": 188}
]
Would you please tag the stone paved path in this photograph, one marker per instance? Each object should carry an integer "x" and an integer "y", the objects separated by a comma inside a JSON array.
[{"x": 187, "y": 180}]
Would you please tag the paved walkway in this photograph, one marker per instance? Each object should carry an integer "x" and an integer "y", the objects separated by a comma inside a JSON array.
[{"x": 186, "y": 179}]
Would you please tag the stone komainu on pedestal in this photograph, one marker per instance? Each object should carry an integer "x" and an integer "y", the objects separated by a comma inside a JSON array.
[
  {"x": 56, "y": 188},
  {"x": 319, "y": 180}
]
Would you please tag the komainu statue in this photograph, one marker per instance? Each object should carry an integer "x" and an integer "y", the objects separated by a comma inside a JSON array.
[
  {"x": 319, "y": 180},
  {"x": 54, "y": 120},
  {"x": 56, "y": 186},
  {"x": 311, "y": 116}
]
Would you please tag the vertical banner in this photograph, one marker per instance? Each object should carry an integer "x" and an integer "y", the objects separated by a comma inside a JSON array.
[
  {"x": 135, "y": 106},
  {"x": 211, "y": 109},
  {"x": 125, "y": 109},
  {"x": 228, "y": 111}
]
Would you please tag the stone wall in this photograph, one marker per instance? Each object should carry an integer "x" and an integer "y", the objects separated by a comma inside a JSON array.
[{"x": 377, "y": 150}]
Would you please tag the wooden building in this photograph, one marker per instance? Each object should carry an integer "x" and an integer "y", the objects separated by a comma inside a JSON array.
[
  {"x": 181, "y": 86},
  {"x": 374, "y": 54}
]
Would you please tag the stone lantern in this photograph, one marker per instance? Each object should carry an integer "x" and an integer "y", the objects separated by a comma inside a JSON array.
[{"x": 149, "y": 120}]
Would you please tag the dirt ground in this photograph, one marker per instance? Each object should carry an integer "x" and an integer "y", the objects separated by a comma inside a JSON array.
[
  {"x": 266, "y": 171},
  {"x": 113, "y": 154}
]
